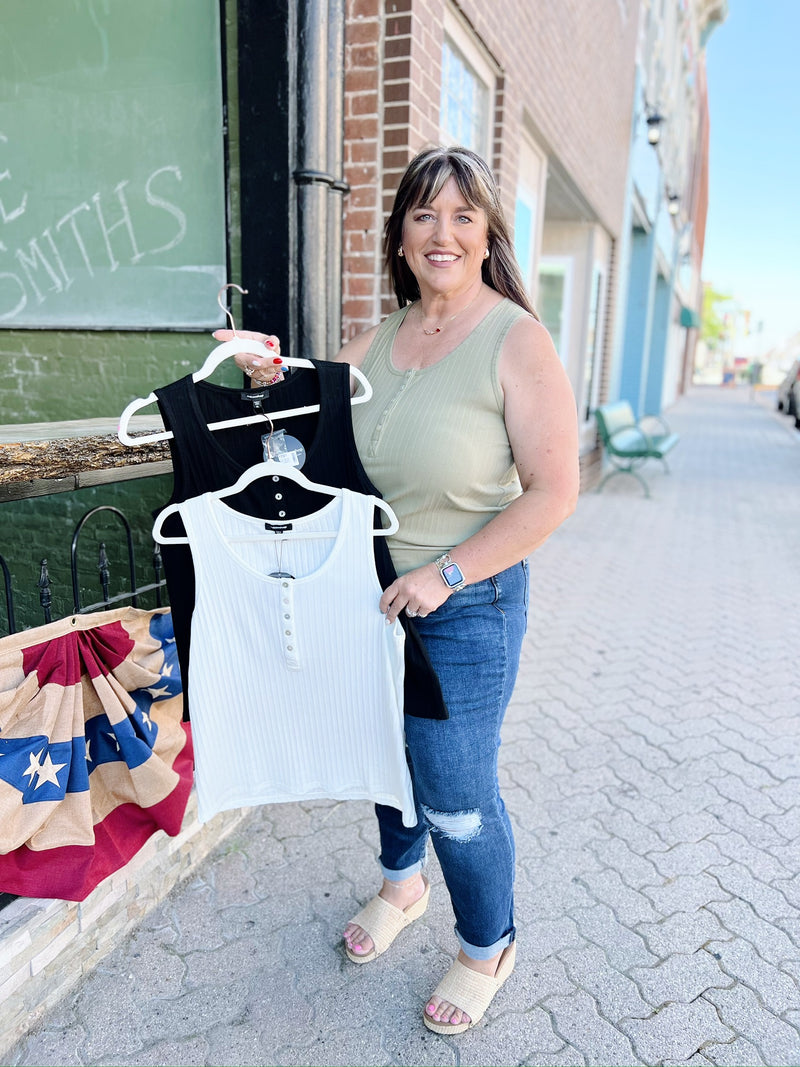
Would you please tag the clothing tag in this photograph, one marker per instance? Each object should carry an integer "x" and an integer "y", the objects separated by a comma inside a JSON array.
[
  {"x": 283, "y": 448},
  {"x": 254, "y": 394},
  {"x": 277, "y": 527}
]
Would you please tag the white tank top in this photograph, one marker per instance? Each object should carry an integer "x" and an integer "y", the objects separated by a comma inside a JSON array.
[{"x": 297, "y": 681}]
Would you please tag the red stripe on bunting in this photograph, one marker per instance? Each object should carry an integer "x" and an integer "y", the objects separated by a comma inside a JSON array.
[
  {"x": 62, "y": 660},
  {"x": 73, "y": 871}
]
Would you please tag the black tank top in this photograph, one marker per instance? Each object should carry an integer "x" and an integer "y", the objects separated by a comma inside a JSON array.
[{"x": 205, "y": 461}]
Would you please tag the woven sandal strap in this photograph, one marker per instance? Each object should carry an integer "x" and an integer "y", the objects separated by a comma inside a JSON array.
[
  {"x": 382, "y": 921},
  {"x": 467, "y": 990}
]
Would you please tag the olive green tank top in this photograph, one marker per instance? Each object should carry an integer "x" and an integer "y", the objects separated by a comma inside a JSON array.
[{"x": 434, "y": 441}]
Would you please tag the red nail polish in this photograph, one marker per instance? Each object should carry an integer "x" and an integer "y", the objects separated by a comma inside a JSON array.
[
  {"x": 270, "y": 344},
  {"x": 277, "y": 361}
]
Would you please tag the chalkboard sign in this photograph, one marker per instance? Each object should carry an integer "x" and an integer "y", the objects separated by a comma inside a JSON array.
[{"x": 112, "y": 186}]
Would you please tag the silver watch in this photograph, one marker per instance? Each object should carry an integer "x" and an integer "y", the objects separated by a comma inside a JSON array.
[{"x": 451, "y": 573}]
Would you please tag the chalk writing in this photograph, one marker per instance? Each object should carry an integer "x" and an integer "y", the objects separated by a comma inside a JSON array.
[
  {"x": 14, "y": 213},
  {"x": 99, "y": 233}
]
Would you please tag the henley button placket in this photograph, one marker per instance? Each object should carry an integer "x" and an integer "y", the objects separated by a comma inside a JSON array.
[{"x": 289, "y": 636}]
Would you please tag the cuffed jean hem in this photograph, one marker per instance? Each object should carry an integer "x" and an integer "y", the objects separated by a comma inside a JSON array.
[
  {"x": 478, "y": 952},
  {"x": 401, "y": 876}
]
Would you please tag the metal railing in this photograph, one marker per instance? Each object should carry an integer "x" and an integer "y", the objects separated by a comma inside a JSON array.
[{"x": 104, "y": 566}]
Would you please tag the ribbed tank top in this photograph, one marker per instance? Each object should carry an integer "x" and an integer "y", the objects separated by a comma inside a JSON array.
[
  {"x": 204, "y": 461},
  {"x": 298, "y": 681},
  {"x": 434, "y": 440}
]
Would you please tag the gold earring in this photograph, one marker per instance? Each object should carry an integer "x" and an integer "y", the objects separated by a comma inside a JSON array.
[{"x": 400, "y": 251}]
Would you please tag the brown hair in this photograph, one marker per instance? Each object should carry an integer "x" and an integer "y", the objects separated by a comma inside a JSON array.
[{"x": 421, "y": 183}]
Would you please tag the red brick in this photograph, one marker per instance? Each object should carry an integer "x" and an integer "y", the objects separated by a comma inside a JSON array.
[
  {"x": 396, "y": 93},
  {"x": 361, "y": 285},
  {"x": 359, "y": 218},
  {"x": 359, "y": 241},
  {"x": 397, "y": 69},
  {"x": 398, "y": 26},
  {"x": 362, "y": 32},
  {"x": 360, "y": 9},
  {"x": 363, "y": 55},
  {"x": 395, "y": 159},
  {"x": 396, "y": 115},
  {"x": 396, "y": 47},
  {"x": 363, "y": 196},
  {"x": 361, "y": 127}
]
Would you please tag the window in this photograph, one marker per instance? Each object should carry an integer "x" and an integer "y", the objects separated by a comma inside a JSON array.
[
  {"x": 528, "y": 212},
  {"x": 593, "y": 342},
  {"x": 467, "y": 100},
  {"x": 554, "y": 301}
]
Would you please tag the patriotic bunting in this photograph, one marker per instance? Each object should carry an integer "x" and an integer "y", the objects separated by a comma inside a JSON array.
[{"x": 94, "y": 758}]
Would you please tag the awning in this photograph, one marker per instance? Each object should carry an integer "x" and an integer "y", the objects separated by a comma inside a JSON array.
[{"x": 690, "y": 318}]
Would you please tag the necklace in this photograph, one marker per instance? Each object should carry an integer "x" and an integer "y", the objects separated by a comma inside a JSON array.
[{"x": 438, "y": 329}]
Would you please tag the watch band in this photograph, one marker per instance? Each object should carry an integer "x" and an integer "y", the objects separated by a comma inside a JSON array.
[{"x": 446, "y": 563}]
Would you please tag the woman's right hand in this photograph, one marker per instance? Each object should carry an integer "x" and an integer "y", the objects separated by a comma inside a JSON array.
[{"x": 259, "y": 370}]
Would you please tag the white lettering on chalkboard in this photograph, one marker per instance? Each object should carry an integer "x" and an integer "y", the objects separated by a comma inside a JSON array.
[
  {"x": 28, "y": 264},
  {"x": 165, "y": 205},
  {"x": 14, "y": 213},
  {"x": 125, "y": 221},
  {"x": 42, "y": 258},
  {"x": 70, "y": 218}
]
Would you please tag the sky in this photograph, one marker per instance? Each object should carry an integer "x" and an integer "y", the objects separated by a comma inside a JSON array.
[{"x": 752, "y": 249}]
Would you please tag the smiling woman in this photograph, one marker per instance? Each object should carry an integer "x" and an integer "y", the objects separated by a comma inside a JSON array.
[
  {"x": 471, "y": 437},
  {"x": 471, "y": 434}
]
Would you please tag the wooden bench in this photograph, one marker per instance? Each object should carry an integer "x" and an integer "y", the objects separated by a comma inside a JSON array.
[{"x": 627, "y": 444}]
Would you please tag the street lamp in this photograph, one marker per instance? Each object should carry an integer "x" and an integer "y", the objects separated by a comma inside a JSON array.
[
  {"x": 673, "y": 203},
  {"x": 654, "y": 120}
]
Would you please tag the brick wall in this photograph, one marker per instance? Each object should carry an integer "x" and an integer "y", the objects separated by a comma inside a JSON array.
[
  {"x": 363, "y": 128},
  {"x": 566, "y": 72}
]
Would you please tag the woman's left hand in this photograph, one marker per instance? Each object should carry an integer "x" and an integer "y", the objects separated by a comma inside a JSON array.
[
  {"x": 259, "y": 369},
  {"x": 418, "y": 593}
]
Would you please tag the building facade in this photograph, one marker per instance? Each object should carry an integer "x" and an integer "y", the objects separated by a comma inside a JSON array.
[
  {"x": 545, "y": 94},
  {"x": 608, "y": 226},
  {"x": 260, "y": 143}
]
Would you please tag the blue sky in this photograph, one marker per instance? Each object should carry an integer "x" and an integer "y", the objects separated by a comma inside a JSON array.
[{"x": 752, "y": 248}]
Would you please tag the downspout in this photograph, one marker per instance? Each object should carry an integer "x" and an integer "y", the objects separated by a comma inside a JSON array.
[
  {"x": 318, "y": 177},
  {"x": 338, "y": 189}
]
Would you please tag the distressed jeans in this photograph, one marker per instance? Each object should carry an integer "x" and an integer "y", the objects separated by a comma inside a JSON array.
[{"x": 474, "y": 642}]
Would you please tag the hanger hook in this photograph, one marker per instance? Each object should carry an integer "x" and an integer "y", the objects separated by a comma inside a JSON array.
[
  {"x": 267, "y": 442},
  {"x": 230, "y": 285}
]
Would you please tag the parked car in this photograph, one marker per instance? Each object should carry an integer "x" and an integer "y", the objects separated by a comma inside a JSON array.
[
  {"x": 795, "y": 401},
  {"x": 788, "y": 395}
]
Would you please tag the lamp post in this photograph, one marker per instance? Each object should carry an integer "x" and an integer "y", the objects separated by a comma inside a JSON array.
[{"x": 654, "y": 120}]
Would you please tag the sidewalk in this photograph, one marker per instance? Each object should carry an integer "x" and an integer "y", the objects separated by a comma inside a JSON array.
[{"x": 651, "y": 766}]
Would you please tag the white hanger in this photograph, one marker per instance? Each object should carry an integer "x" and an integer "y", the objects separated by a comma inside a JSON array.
[
  {"x": 215, "y": 357},
  {"x": 272, "y": 468}
]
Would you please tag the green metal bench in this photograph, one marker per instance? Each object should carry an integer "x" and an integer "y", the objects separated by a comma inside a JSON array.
[{"x": 627, "y": 444}]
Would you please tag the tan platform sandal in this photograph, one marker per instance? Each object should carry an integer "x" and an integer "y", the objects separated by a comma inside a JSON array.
[
  {"x": 383, "y": 922},
  {"x": 471, "y": 992}
]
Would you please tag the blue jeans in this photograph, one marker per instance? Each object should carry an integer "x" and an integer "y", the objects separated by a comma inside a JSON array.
[{"x": 474, "y": 642}]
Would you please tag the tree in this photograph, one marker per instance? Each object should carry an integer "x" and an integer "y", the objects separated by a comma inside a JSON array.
[{"x": 713, "y": 326}]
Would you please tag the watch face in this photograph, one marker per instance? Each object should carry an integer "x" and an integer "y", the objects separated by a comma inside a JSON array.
[{"x": 452, "y": 574}]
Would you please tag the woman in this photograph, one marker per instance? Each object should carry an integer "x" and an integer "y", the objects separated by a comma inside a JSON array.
[{"x": 471, "y": 437}]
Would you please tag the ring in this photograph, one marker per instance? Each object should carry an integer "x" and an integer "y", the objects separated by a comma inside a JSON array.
[{"x": 411, "y": 614}]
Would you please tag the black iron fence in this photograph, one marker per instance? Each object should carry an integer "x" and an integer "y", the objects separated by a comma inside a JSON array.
[{"x": 104, "y": 567}]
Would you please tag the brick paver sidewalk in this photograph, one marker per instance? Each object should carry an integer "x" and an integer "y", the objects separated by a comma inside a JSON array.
[{"x": 651, "y": 765}]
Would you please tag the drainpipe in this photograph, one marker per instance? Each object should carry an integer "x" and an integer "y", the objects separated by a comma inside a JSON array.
[
  {"x": 336, "y": 32},
  {"x": 320, "y": 65}
]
